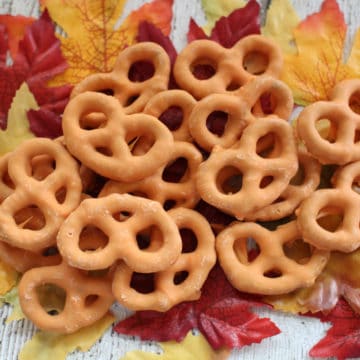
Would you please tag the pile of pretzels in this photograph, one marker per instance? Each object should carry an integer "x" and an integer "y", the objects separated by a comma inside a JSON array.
[{"x": 109, "y": 211}]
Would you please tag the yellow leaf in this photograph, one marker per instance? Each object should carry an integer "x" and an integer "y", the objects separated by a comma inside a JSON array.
[
  {"x": 12, "y": 299},
  {"x": 8, "y": 278},
  {"x": 193, "y": 347},
  {"x": 18, "y": 128},
  {"x": 281, "y": 20},
  {"x": 214, "y": 10},
  {"x": 44, "y": 345},
  {"x": 93, "y": 41},
  {"x": 318, "y": 65},
  {"x": 354, "y": 58}
]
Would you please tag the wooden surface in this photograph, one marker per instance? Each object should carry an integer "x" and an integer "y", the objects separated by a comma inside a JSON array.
[{"x": 298, "y": 335}]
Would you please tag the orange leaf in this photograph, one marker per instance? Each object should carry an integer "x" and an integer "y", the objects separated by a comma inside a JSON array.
[
  {"x": 318, "y": 64},
  {"x": 93, "y": 40},
  {"x": 15, "y": 26}
]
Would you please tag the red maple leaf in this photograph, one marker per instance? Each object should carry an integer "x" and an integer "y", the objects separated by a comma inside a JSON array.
[
  {"x": 230, "y": 29},
  {"x": 37, "y": 60},
  {"x": 222, "y": 314},
  {"x": 343, "y": 338}
]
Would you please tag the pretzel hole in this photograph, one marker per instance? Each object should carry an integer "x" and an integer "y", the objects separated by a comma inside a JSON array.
[
  {"x": 355, "y": 186},
  {"x": 246, "y": 250},
  {"x": 266, "y": 104},
  {"x": 330, "y": 219},
  {"x": 149, "y": 239},
  {"x": 92, "y": 238},
  {"x": 267, "y": 146},
  {"x": 141, "y": 70},
  {"x": 60, "y": 195},
  {"x": 143, "y": 283},
  {"x": 354, "y": 102},
  {"x": 172, "y": 117},
  {"x": 299, "y": 177},
  {"x": 143, "y": 144},
  {"x": 90, "y": 299},
  {"x": 131, "y": 99},
  {"x": 357, "y": 136},
  {"x": 92, "y": 121},
  {"x": 106, "y": 151},
  {"x": 180, "y": 277},
  {"x": 5, "y": 179},
  {"x": 273, "y": 273},
  {"x": 203, "y": 69},
  {"x": 51, "y": 297},
  {"x": 266, "y": 181},
  {"x": 169, "y": 204},
  {"x": 30, "y": 217},
  {"x": 233, "y": 86},
  {"x": 42, "y": 166},
  {"x": 298, "y": 251},
  {"x": 122, "y": 215},
  {"x": 189, "y": 240},
  {"x": 50, "y": 251},
  {"x": 216, "y": 122},
  {"x": 229, "y": 180},
  {"x": 327, "y": 129},
  {"x": 107, "y": 91},
  {"x": 255, "y": 62},
  {"x": 176, "y": 171}
]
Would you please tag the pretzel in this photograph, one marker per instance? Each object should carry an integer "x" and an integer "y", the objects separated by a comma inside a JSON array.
[
  {"x": 105, "y": 149},
  {"x": 341, "y": 145},
  {"x": 301, "y": 186},
  {"x": 273, "y": 271},
  {"x": 254, "y": 180},
  {"x": 170, "y": 99},
  {"x": 241, "y": 110},
  {"x": 183, "y": 280},
  {"x": 229, "y": 65},
  {"x": 51, "y": 197},
  {"x": 88, "y": 298},
  {"x": 342, "y": 201},
  {"x": 133, "y": 94},
  {"x": 106, "y": 214},
  {"x": 166, "y": 191},
  {"x": 6, "y": 184}
]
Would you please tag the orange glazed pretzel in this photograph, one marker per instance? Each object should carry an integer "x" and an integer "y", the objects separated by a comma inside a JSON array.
[
  {"x": 52, "y": 196},
  {"x": 181, "y": 192},
  {"x": 133, "y": 94},
  {"x": 105, "y": 149},
  {"x": 87, "y": 299},
  {"x": 176, "y": 100},
  {"x": 120, "y": 218},
  {"x": 301, "y": 186},
  {"x": 273, "y": 271},
  {"x": 240, "y": 180},
  {"x": 241, "y": 110},
  {"x": 183, "y": 280},
  {"x": 342, "y": 201},
  {"x": 342, "y": 144},
  {"x": 228, "y": 65}
]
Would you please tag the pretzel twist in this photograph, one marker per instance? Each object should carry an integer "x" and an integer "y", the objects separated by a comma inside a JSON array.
[
  {"x": 49, "y": 198},
  {"x": 105, "y": 148},
  {"x": 88, "y": 298},
  {"x": 168, "y": 291},
  {"x": 106, "y": 214},
  {"x": 272, "y": 271},
  {"x": 341, "y": 144},
  {"x": 262, "y": 179},
  {"x": 342, "y": 201},
  {"x": 181, "y": 193},
  {"x": 297, "y": 190},
  {"x": 228, "y": 64},
  {"x": 132, "y": 94}
]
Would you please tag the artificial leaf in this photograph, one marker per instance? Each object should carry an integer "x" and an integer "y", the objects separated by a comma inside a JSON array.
[
  {"x": 12, "y": 299},
  {"x": 193, "y": 347},
  {"x": 45, "y": 345},
  {"x": 17, "y": 129},
  {"x": 222, "y": 315},
  {"x": 281, "y": 20},
  {"x": 228, "y": 30},
  {"x": 318, "y": 65},
  {"x": 214, "y": 10},
  {"x": 8, "y": 277},
  {"x": 343, "y": 338},
  {"x": 38, "y": 59},
  {"x": 93, "y": 41},
  {"x": 15, "y": 27}
]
